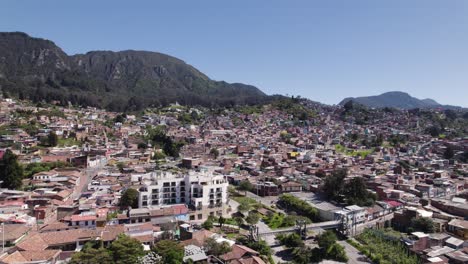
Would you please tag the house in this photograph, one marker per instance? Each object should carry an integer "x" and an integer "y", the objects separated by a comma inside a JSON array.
[
  {"x": 290, "y": 186},
  {"x": 267, "y": 189},
  {"x": 31, "y": 256},
  {"x": 459, "y": 228},
  {"x": 242, "y": 254}
]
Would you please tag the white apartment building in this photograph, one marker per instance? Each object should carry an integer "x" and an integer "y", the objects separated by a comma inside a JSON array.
[{"x": 203, "y": 192}]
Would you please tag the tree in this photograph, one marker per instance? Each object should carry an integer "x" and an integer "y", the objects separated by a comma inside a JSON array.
[
  {"x": 244, "y": 206},
  {"x": 245, "y": 186},
  {"x": 90, "y": 255},
  {"x": 329, "y": 248},
  {"x": 126, "y": 249},
  {"x": 214, "y": 152},
  {"x": 448, "y": 153},
  {"x": 326, "y": 239},
  {"x": 355, "y": 192},
  {"x": 434, "y": 131},
  {"x": 334, "y": 185},
  {"x": 252, "y": 218},
  {"x": 129, "y": 198},
  {"x": 336, "y": 252},
  {"x": 423, "y": 224},
  {"x": 221, "y": 221},
  {"x": 208, "y": 224},
  {"x": 120, "y": 166},
  {"x": 11, "y": 173},
  {"x": 142, "y": 145},
  {"x": 214, "y": 248},
  {"x": 290, "y": 241},
  {"x": 52, "y": 139},
  {"x": 119, "y": 119},
  {"x": 170, "y": 251},
  {"x": 239, "y": 220}
]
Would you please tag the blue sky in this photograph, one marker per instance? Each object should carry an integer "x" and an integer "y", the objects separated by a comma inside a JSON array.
[{"x": 322, "y": 50}]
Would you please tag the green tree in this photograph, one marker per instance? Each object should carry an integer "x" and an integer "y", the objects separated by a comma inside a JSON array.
[
  {"x": 423, "y": 224},
  {"x": 126, "y": 249},
  {"x": 326, "y": 239},
  {"x": 334, "y": 185},
  {"x": 245, "y": 186},
  {"x": 252, "y": 218},
  {"x": 52, "y": 139},
  {"x": 90, "y": 255},
  {"x": 244, "y": 206},
  {"x": 291, "y": 240},
  {"x": 355, "y": 192},
  {"x": 11, "y": 173},
  {"x": 129, "y": 198},
  {"x": 170, "y": 251},
  {"x": 214, "y": 248},
  {"x": 336, "y": 252},
  {"x": 239, "y": 220},
  {"x": 221, "y": 221},
  {"x": 448, "y": 153},
  {"x": 208, "y": 224},
  {"x": 214, "y": 152}
]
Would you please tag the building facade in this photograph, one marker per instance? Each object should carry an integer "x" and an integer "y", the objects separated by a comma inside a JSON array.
[{"x": 203, "y": 192}]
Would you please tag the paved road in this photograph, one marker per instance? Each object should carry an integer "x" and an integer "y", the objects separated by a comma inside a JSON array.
[{"x": 355, "y": 257}]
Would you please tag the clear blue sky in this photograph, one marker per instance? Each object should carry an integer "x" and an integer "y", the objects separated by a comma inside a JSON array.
[{"x": 323, "y": 50}]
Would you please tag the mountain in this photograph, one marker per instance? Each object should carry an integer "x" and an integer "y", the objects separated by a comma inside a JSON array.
[
  {"x": 38, "y": 69},
  {"x": 393, "y": 99}
]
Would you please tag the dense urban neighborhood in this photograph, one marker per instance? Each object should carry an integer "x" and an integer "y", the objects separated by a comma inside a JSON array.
[{"x": 285, "y": 181}]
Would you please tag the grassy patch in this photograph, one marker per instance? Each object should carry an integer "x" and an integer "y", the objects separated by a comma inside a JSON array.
[
  {"x": 279, "y": 220},
  {"x": 363, "y": 153},
  {"x": 383, "y": 247},
  {"x": 68, "y": 142}
]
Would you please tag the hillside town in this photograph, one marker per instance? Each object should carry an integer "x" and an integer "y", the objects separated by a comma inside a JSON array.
[{"x": 290, "y": 181}]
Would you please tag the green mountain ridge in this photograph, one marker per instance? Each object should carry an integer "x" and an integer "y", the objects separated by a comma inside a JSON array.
[
  {"x": 396, "y": 99},
  {"x": 37, "y": 69}
]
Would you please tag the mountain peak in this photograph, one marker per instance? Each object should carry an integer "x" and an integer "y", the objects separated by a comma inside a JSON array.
[
  {"x": 395, "y": 99},
  {"x": 127, "y": 80}
]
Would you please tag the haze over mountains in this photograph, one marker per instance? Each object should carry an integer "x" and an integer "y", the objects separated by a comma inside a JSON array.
[
  {"x": 396, "y": 99},
  {"x": 38, "y": 69}
]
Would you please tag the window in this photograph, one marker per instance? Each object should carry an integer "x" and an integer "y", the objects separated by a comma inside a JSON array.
[
  {"x": 200, "y": 216},
  {"x": 192, "y": 217}
]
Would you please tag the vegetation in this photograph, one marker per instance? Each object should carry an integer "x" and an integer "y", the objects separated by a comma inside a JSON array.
[
  {"x": 363, "y": 153},
  {"x": 208, "y": 224},
  {"x": 171, "y": 251},
  {"x": 383, "y": 248},
  {"x": 260, "y": 246},
  {"x": 422, "y": 224},
  {"x": 245, "y": 186},
  {"x": 92, "y": 253},
  {"x": 352, "y": 192},
  {"x": 214, "y": 248},
  {"x": 214, "y": 152},
  {"x": 279, "y": 220},
  {"x": 291, "y": 240},
  {"x": 301, "y": 207},
  {"x": 33, "y": 168},
  {"x": 252, "y": 218},
  {"x": 328, "y": 248},
  {"x": 123, "y": 250},
  {"x": 52, "y": 139},
  {"x": 129, "y": 198},
  {"x": 126, "y": 249},
  {"x": 11, "y": 172},
  {"x": 159, "y": 138},
  {"x": 98, "y": 88}
]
